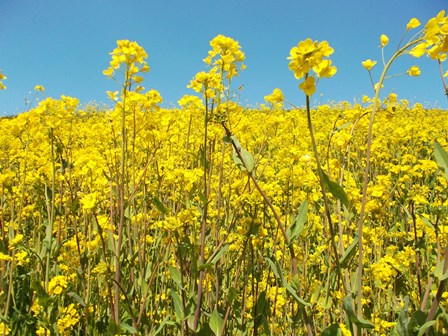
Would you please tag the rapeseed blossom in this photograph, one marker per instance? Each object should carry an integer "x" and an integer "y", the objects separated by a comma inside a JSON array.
[
  {"x": 413, "y": 23},
  {"x": 368, "y": 64},
  {"x": 384, "y": 40},
  {"x": 311, "y": 55},
  {"x": 414, "y": 71}
]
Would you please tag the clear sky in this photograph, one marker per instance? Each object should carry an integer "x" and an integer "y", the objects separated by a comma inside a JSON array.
[{"x": 64, "y": 45}]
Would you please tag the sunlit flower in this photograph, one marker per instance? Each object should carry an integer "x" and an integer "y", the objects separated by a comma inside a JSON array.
[
  {"x": 2, "y": 78},
  {"x": 414, "y": 71},
  {"x": 413, "y": 23},
  {"x": 57, "y": 285},
  {"x": 384, "y": 40},
  {"x": 39, "y": 88},
  {"x": 308, "y": 86},
  {"x": 368, "y": 64}
]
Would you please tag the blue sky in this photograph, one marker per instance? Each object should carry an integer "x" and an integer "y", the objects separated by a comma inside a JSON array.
[{"x": 64, "y": 45}]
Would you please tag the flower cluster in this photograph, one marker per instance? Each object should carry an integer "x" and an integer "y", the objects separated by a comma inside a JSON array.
[
  {"x": 130, "y": 55},
  {"x": 311, "y": 55},
  {"x": 275, "y": 99},
  {"x": 226, "y": 55}
]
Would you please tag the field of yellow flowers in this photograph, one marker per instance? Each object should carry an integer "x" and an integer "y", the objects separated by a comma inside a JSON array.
[{"x": 218, "y": 219}]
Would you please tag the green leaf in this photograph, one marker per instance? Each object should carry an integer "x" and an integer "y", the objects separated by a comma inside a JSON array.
[
  {"x": 176, "y": 276},
  {"x": 441, "y": 157},
  {"x": 332, "y": 330},
  {"x": 438, "y": 272},
  {"x": 249, "y": 162},
  {"x": 296, "y": 227},
  {"x": 219, "y": 254},
  {"x": 128, "y": 328},
  {"x": 349, "y": 253},
  {"x": 426, "y": 326},
  {"x": 347, "y": 306},
  {"x": 426, "y": 221},
  {"x": 216, "y": 323},
  {"x": 232, "y": 294},
  {"x": 273, "y": 268},
  {"x": 77, "y": 298},
  {"x": 278, "y": 273},
  {"x": 340, "y": 128},
  {"x": 401, "y": 328},
  {"x": 335, "y": 189},
  {"x": 160, "y": 206},
  {"x": 178, "y": 307},
  {"x": 165, "y": 322}
]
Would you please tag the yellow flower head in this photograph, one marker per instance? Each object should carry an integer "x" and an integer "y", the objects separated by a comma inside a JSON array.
[
  {"x": 130, "y": 55},
  {"x": 308, "y": 86},
  {"x": 227, "y": 55},
  {"x": 413, "y": 23},
  {"x": 275, "y": 98},
  {"x": 413, "y": 71},
  {"x": 57, "y": 285},
  {"x": 207, "y": 82},
  {"x": 2, "y": 78},
  {"x": 39, "y": 88},
  {"x": 88, "y": 201},
  {"x": 368, "y": 64},
  {"x": 384, "y": 40},
  {"x": 309, "y": 55}
]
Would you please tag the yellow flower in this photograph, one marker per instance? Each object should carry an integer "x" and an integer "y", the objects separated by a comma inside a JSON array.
[
  {"x": 41, "y": 331},
  {"x": 57, "y": 285},
  {"x": 413, "y": 23},
  {"x": 384, "y": 40},
  {"x": 309, "y": 55},
  {"x": 21, "y": 258},
  {"x": 5, "y": 257},
  {"x": 68, "y": 319},
  {"x": 275, "y": 98},
  {"x": 17, "y": 239},
  {"x": 4, "y": 329},
  {"x": 368, "y": 64},
  {"x": 2, "y": 77},
  {"x": 88, "y": 201},
  {"x": 39, "y": 88},
  {"x": 308, "y": 86},
  {"x": 414, "y": 71},
  {"x": 113, "y": 95},
  {"x": 226, "y": 54},
  {"x": 420, "y": 49}
]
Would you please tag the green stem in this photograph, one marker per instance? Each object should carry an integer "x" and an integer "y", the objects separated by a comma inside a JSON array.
[
  {"x": 324, "y": 193},
  {"x": 204, "y": 221},
  {"x": 367, "y": 170}
]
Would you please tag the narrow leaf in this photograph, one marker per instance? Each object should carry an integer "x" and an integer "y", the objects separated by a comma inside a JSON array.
[
  {"x": 441, "y": 157},
  {"x": 349, "y": 253},
  {"x": 178, "y": 308},
  {"x": 335, "y": 189},
  {"x": 360, "y": 322},
  {"x": 77, "y": 298},
  {"x": 159, "y": 205},
  {"x": 166, "y": 321},
  {"x": 297, "y": 226},
  {"x": 273, "y": 268},
  {"x": 176, "y": 276},
  {"x": 249, "y": 162},
  {"x": 128, "y": 328},
  {"x": 426, "y": 326},
  {"x": 219, "y": 254}
]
